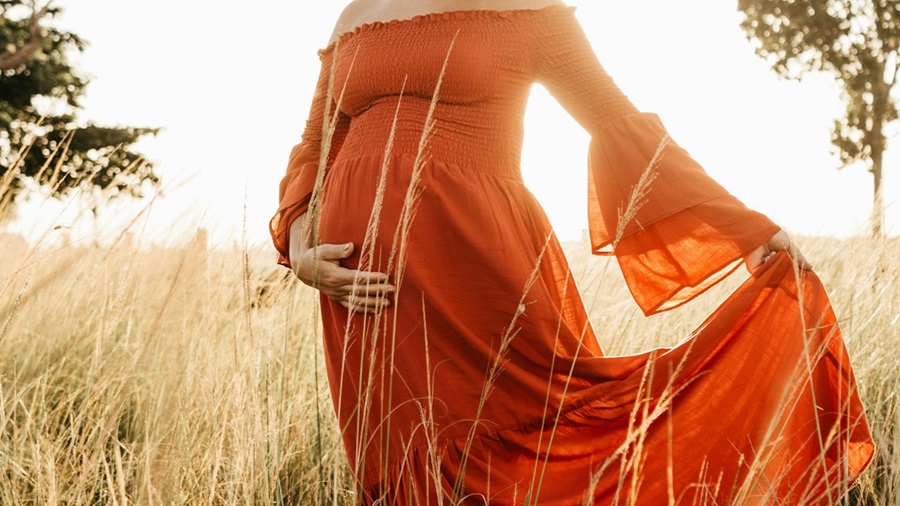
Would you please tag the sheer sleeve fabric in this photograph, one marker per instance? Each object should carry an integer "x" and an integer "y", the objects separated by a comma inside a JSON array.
[
  {"x": 676, "y": 233},
  {"x": 296, "y": 187}
]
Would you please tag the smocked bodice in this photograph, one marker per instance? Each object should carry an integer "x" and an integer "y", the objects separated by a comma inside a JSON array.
[{"x": 394, "y": 69}]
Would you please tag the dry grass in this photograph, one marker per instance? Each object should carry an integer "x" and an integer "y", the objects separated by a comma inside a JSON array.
[
  {"x": 195, "y": 376},
  {"x": 177, "y": 376}
]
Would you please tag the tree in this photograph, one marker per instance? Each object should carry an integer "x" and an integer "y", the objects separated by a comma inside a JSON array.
[
  {"x": 41, "y": 139},
  {"x": 858, "y": 42}
]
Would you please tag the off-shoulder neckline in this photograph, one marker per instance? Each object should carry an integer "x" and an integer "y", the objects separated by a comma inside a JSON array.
[{"x": 431, "y": 17}]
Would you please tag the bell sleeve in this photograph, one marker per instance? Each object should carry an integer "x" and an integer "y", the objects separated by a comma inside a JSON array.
[
  {"x": 296, "y": 187},
  {"x": 673, "y": 229}
]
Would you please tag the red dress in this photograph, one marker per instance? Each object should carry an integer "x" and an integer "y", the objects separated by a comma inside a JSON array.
[{"x": 484, "y": 381}]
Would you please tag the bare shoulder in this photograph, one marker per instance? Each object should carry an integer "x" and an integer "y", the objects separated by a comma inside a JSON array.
[
  {"x": 349, "y": 17},
  {"x": 518, "y": 4},
  {"x": 531, "y": 4},
  {"x": 360, "y": 12}
]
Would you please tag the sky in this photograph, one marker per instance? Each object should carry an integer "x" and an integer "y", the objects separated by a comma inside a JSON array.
[{"x": 231, "y": 85}]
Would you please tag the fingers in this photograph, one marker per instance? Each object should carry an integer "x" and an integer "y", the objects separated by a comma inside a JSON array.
[
  {"x": 362, "y": 298},
  {"x": 321, "y": 267},
  {"x": 802, "y": 262},
  {"x": 781, "y": 241},
  {"x": 369, "y": 290},
  {"x": 756, "y": 258},
  {"x": 333, "y": 276},
  {"x": 357, "y": 290},
  {"x": 334, "y": 251},
  {"x": 369, "y": 305}
]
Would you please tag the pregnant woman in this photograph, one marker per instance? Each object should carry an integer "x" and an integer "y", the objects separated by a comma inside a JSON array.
[{"x": 462, "y": 364}]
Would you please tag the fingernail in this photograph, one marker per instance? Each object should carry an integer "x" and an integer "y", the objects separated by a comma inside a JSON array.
[{"x": 347, "y": 246}]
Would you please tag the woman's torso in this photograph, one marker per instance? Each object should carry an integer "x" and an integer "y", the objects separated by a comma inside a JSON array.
[{"x": 469, "y": 71}]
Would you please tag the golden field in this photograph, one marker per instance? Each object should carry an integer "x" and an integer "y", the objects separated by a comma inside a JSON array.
[{"x": 193, "y": 375}]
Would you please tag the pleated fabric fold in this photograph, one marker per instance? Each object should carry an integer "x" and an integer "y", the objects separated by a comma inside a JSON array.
[{"x": 687, "y": 424}]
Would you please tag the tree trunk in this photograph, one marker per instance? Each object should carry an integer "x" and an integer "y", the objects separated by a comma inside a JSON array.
[
  {"x": 882, "y": 97},
  {"x": 878, "y": 198}
]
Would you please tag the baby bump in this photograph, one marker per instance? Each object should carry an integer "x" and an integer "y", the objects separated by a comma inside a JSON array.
[
  {"x": 452, "y": 218},
  {"x": 362, "y": 203}
]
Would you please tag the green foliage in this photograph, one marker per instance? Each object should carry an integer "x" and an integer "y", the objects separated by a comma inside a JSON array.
[
  {"x": 39, "y": 101},
  {"x": 856, "y": 40}
]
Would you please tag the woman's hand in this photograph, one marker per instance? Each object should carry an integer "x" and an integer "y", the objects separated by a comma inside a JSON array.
[
  {"x": 359, "y": 291},
  {"x": 781, "y": 241},
  {"x": 320, "y": 267}
]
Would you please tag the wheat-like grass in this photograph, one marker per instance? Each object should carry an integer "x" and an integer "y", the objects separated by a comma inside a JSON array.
[
  {"x": 131, "y": 376},
  {"x": 161, "y": 376}
]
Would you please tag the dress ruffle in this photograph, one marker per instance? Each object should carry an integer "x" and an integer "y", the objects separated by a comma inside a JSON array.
[
  {"x": 676, "y": 233},
  {"x": 295, "y": 193}
]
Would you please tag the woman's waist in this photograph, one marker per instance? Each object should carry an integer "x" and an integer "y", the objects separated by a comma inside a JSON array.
[
  {"x": 403, "y": 163},
  {"x": 450, "y": 140}
]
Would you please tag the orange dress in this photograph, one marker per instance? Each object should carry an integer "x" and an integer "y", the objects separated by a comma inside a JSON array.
[{"x": 484, "y": 381}]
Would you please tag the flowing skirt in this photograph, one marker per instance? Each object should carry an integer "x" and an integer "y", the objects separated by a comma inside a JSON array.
[{"x": 484, "y": 382}]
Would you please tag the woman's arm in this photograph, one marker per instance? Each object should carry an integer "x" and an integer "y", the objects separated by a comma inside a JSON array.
[
  {"x": 674, "y": 229},
  {"x": 319, "y": 265}
]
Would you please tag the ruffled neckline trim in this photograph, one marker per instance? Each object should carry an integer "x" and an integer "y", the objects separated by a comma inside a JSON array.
[{"x": 444, "y": 16}]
